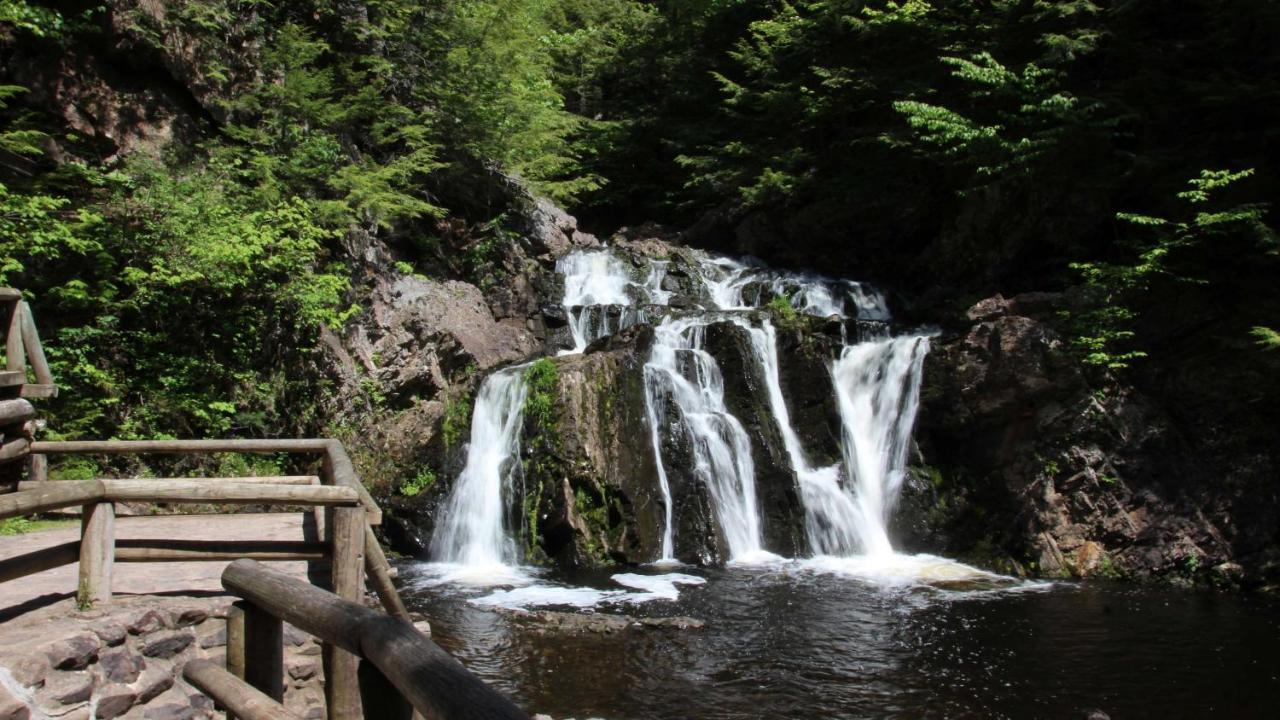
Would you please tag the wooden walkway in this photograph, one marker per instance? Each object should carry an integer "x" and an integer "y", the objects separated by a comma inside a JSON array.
[{"x": 151, "y": 578}]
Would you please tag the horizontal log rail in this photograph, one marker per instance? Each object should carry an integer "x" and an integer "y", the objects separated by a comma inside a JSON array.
[
  {"x": 195, "y": 491},
  {"x": 394, "y": 654},
  {"x": 337, "y": 485},
  {"x": 234, "y": 694},
  {"x": 39, "y": 561},
  {"x": 346, "y": 514},
  {"x": 147, "y": 550},
  {"x": 55, "y": 497},
  {"x": 338, "y": 469}
]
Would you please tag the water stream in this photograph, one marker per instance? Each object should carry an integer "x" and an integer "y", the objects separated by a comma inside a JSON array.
[
  {"x": 681, "y": 370},
  {"x": 472, "y": 535},
  {"x": 850, "y": 629}
]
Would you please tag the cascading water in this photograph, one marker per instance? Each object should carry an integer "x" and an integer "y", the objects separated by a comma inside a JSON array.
[
  {"x": 830, "y": 512},
  {"x": 682, "y": 372},
  {"x": 596, "y": 299},
  {"x": 875, "y": 383},
  {"x": 471, "y": 531},
  {"x": 737, "y": 285},
  {"x": 878, "y": 388}
]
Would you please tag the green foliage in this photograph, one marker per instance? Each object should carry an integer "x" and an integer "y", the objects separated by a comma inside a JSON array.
[
  {"x": 1105, "y": 327},
  {"x": 784, "y": 314},
  {"x": 35, "y": 19},
  {"x": 541, "y": 404},
  {"x": 420, "y": 483},
  {"x": 542, "y": 464},
  {"x": 1267, "y": 338},
  {"x": 457, "y": 420},
  {"x": 20, "y": 525}
]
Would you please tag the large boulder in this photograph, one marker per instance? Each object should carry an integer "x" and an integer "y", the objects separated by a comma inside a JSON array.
[
  {"x": 591, "y": 490},
  {"x": 420, "y": 336}
]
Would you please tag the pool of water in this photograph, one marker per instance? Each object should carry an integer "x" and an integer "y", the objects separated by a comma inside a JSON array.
[{"x": 787, "y": 642}]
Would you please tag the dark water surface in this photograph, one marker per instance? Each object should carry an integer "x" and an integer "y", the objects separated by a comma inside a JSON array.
[{"x": 797, "y": 645}]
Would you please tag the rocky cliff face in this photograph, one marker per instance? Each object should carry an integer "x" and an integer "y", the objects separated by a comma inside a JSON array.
[{"x": 1028, "y": 467}]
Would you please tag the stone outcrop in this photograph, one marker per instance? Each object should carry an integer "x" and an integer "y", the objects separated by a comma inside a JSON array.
[
  {"x": 1029, "y": 467},
  {"x": 594, "y": 484}
]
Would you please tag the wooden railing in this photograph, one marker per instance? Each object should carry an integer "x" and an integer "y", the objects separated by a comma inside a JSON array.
[
  {"x": 22, "y": 352},
  {"x": 399, "y": 671},
  {"x": 336, "y": 486},
  {"x": 347, "y": 539}
]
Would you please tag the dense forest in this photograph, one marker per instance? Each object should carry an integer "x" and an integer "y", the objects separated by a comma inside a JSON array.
[{"x": 1124, "y": 152}]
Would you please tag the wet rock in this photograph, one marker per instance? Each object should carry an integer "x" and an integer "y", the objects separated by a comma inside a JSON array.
[
  {"x": 746, "y": 395},
  {"x": 1033, "y": 467},
  {"x": 598, "y": 501},
  {"x": 599, "y": 623}
]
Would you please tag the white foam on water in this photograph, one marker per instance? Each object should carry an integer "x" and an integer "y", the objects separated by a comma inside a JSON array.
[
  {"x": 547, "y": 596},
  {"x": 472, "y": 576},
  {"x": 661, "y": 587},
  {"x": 651, "y": 587},
  {"x": 756, "y": 558},
  {"x": 903, "y": 570}
]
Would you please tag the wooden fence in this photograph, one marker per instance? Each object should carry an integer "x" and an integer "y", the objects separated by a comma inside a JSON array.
[
  {"x": 23, "y": 354},
  {"x": 399, "y": 671}
]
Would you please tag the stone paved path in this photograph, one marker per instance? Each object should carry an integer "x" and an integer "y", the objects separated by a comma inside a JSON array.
[{"x": 34, "y": 591}]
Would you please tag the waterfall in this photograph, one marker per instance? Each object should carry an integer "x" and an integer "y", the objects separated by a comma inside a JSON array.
[
  {"x": 744, "y": 285},
  {"x": 830, "y": 513},
  {"x": 596, "y": 298},
  {"x": 876, "y": 385},
  {"x": 471, "y": 531},
  {"x": 878, "y": 388},
  {"x": 682, "y": 372}
]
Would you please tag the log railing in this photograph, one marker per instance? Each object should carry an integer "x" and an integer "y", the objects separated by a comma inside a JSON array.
[
  {"x": 337, "y": 485},
  {"x": 23, "y": 359},
  {"x": 399, "y": 670},
  {"x": 347, "y": 544}
]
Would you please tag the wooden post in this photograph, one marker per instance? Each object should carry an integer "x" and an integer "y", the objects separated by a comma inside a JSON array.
[
  {"x": 15, "y": 353},
  {"x": 264, "y": 651},
  {"x": 379, "y": 697},
  {"x": 380, "y": 577},
  {"x": 38, "y": 471},
  {"x": 342, "y": 686},
  {"x": 235, "y": 643},
  {"x": 437, "y": 685},
  {"x": 97, "y": 553},
  {"x": 31, "y": 339}
]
